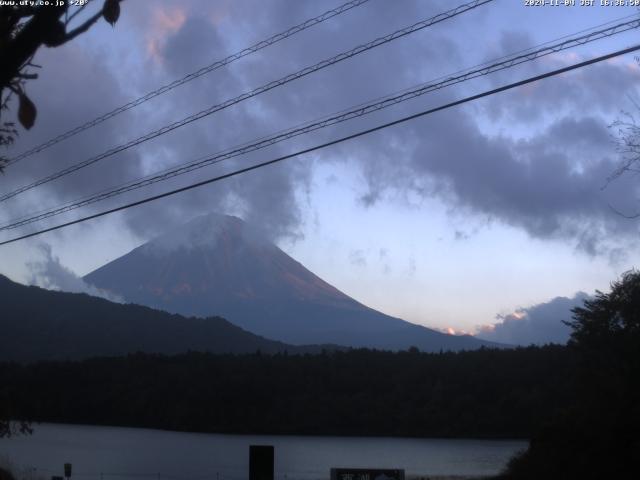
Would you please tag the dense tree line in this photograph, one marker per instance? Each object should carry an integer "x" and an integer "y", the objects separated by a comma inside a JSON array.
[
  {"x": 485, "y": 393},
  {"x": 598, "y": 436}
]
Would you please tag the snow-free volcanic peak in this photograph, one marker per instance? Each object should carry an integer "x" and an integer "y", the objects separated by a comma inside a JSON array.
[{"x": 220, "y": 265}]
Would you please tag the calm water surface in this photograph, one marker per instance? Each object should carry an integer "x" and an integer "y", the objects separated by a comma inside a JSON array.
[{"x": 110, "y": 453}]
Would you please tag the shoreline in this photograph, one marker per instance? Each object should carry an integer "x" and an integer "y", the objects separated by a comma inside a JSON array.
[{"x": 35, "y": 424}]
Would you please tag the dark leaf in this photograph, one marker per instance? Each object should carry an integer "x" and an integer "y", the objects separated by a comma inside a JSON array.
[
  {"x": 111, "y": 11},
  {"x": 55, "y": 34},
  {"x": 26, "y": 112}
]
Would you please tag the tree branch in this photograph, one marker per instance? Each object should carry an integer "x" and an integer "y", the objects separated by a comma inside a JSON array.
[
  {"x": 81, "y": 28},
  {"x": 623, "y": 215},
  {"x": 85, "y": 26},
  {"x": 28, "y": 76},
  {"x": 71, "y": 17},
  {"x": 24, "y": 45}
]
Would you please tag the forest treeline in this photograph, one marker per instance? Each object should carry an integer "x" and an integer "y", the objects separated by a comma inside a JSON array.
[
  {"x": 484, "y": 393},
  {"x": 578, "y": 404},
  {"x": 598, "y": 435}
]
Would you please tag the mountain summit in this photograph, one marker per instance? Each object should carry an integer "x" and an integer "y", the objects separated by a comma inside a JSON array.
[{"x": 219, "y": 265}]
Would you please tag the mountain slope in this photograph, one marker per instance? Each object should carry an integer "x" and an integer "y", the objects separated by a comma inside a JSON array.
[
  {"x": 38, "y": 324},
  {"x": 218, "y": 265}
]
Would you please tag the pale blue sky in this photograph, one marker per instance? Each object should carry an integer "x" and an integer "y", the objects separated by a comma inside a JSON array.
[{"x": 447, "y": 222}]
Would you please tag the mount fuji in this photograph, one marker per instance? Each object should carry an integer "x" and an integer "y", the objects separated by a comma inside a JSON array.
[{"x": 219, "y": 265}]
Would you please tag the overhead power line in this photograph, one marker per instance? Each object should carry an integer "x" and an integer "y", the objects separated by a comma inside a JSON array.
[
  {"x": 257, "y": 91},
  {"x": 332, "y": 142},
  {"x": 353, "y": 112},
  {"x": 191, "y": 76}
]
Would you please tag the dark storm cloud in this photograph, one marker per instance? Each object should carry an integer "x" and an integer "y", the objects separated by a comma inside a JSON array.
[
  {"x": 92, "y": 90},
  {"x": 70, "y": 77},
  {"x": 548, "y": 184},
  {"x": 195, "y": 44},
  {"x": 196, "y": 34},
  {"x": 268, "y": 198},
  {"x": 603, "y": 87},
  {"x": 539, "y": 324}
]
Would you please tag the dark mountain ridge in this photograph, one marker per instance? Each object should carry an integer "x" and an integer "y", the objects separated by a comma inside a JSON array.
[
  {"x": 219, "y": 265},
  {"x": 39, "y": 324}
]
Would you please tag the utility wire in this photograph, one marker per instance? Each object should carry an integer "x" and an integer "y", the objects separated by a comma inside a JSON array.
[
  {"x": 257, "y": 91},
  {"x": 191, "y": 76},
  {"x": 354, "y": 112},
  {"x": 332, "y": 142}
]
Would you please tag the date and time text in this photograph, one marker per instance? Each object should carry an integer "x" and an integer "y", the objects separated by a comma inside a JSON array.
[{"x": 581, "y": 3}]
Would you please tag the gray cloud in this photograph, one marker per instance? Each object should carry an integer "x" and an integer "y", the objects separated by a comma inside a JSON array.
[
  {"x": 604, "y": 87},
  {"x": 357, "y": 258},
  {"x": 268, "y": 198},
  {"x": 70, "y": 77},
  {"x": 181, "y": 38},
  {"x": 548, "y": 184},
  {"x": 411, "y": 270},
  {"x": 539, "y": 324},
  {"x": 179, "y": 51},
  {"x": 49, "y": 273}
]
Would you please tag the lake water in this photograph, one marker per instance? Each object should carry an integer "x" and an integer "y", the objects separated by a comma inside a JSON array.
[{"x": 110, "y": 453}]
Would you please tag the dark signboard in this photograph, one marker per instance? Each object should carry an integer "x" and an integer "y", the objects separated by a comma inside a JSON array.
[
  {"x": 366, "y": 474},
  {"x": 67, "y": 470},
  {"x": 261, "y": 462}
]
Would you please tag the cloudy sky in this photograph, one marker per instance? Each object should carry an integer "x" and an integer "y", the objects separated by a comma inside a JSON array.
[{"x": 497, "y": 212}]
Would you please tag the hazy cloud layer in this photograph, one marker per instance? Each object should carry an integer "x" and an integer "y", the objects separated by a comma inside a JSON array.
[{"x": 539, "y": 324}]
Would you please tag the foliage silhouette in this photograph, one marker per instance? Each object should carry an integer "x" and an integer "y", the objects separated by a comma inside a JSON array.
[
  {"x": 598, "y": 435},
  {"x": 24, "y": 28}
]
